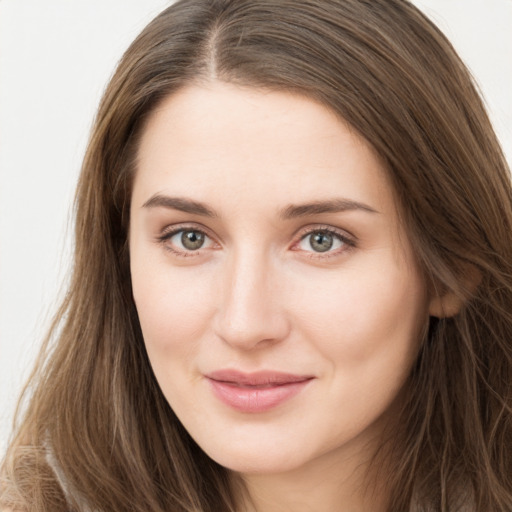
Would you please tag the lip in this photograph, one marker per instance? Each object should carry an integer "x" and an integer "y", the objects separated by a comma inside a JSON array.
[{"x": 256, "y": 392}]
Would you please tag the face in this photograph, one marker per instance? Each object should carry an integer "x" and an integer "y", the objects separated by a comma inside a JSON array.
[{"x": 277, "y": 293}]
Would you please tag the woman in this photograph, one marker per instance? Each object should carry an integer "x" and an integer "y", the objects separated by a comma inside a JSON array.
[{"x": 293, "y": 279}]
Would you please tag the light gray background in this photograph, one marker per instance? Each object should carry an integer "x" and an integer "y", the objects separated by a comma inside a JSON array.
[{"x": 55, "y": 59}]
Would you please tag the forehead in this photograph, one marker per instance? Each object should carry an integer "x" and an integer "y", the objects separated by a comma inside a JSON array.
[{"x": 220, "y": 142}]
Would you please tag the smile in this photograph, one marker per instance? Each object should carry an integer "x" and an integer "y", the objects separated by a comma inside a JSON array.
[{"x": 255, "y": 392}]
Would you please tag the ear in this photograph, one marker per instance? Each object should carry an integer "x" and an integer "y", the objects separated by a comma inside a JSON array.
[
  {"x": 445, "y": 306},
  {"x": 449, "y": 303}
]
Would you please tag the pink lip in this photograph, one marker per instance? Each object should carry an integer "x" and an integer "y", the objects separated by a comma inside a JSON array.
[{"x": 255, "y": 392}]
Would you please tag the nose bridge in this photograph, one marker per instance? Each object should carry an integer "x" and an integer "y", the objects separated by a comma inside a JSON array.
[{"x": 250, "y": 311}]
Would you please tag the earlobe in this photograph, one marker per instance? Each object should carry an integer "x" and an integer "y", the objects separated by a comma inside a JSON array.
[
  {"x": 445, "y": 306},
  {"x": 449, "y": 303}
]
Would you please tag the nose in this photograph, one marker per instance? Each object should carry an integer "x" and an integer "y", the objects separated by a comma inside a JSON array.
[{"x": 251, "y": 312}]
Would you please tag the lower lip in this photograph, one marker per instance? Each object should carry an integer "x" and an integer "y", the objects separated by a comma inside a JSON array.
[{"x": 254, "y": 399}]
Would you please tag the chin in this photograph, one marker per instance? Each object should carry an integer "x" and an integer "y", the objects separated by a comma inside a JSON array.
[{"x": 256, "y": 460}]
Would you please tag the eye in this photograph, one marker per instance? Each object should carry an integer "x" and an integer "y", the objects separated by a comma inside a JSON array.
[
  {"x": 183, "y": 241},
  {"x": 189, "y": 240},
  {"x": 324, "y": 241}
]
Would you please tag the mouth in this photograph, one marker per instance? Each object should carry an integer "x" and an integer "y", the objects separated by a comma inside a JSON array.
[{"x": 255, "y": 392}]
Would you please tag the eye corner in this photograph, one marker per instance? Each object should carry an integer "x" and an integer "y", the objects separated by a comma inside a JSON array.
[
  {"x": 180, "y": 246},
  {"x": 339, "y": 242}
]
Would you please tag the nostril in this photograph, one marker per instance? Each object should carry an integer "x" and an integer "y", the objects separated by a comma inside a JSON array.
[
  {"x": 250, "y": 313},
  {"x": 249, "y": 330}
]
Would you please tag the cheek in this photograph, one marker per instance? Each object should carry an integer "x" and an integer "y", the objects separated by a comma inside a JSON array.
[
  {"x": 367, "y": 327},
  {"x": 356, "y": 315},
  {"x": 173, "y": 306}
]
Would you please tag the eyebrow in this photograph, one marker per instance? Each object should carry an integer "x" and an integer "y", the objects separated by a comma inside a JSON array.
[
  {"x": 328, "y": 206},
  {"x": 289, "y": 212},
  {"x": 179, "y": 203}
]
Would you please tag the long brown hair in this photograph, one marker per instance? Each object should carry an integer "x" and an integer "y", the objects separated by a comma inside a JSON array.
[{"x": 96, "y": 432}]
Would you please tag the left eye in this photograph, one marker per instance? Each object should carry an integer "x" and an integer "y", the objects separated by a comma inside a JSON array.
[
  {"x": 190, "y": 240},
  {"x": 321, "y": 241}
]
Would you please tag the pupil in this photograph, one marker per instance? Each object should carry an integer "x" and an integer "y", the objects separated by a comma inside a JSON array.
[
  {"x": 321, "y": 242},
  {"x": 192, "y": 240}
]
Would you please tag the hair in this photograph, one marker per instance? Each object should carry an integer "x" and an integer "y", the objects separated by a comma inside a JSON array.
[{"x": 96, "y": 432}]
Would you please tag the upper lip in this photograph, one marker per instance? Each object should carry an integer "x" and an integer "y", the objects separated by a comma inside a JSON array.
[{"x": 260, "y": 378}]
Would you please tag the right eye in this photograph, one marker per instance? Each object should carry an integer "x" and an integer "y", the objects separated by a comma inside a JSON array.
[{"x": 186, "y": 241}]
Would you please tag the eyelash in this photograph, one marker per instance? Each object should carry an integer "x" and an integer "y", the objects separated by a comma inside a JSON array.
[
  {"x": 168, "y": 234},
  {"x": 349, "y": 242}
]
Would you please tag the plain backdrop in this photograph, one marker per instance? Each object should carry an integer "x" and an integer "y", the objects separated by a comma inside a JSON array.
[{"x": 56, "y": 57}]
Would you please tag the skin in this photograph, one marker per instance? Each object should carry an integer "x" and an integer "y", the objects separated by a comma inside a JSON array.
[{"x": 258, "y": 296}]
